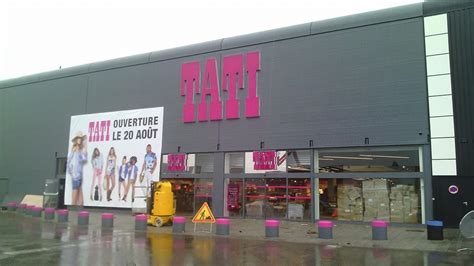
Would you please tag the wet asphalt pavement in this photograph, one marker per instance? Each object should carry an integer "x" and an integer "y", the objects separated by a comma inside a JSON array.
[{"x": 32, "y": 241}]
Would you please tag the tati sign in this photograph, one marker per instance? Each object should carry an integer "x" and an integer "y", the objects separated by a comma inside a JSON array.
[
  {"x": 176, "y": 162},
  {"x": 232, "y": 79},
  {"x": 264, "y": 160}
]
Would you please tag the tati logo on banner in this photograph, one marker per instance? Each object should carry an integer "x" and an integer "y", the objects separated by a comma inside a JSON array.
[
  {"x": 232, "y": 79},
  {"x": 264, "y": 160}
]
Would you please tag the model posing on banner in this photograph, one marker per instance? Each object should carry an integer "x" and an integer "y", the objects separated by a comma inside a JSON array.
[
  {"x": 97, "y": 164},
  {"x": 122, "y": 176},
  {"x": 131, "y": 173},
  {"x": 75, "y": 163},
  {"x": 148, "y": 168},
  {"x": 110, "y": 172}
]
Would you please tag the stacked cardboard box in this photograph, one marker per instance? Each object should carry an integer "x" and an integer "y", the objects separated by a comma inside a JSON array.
[
  {"x": 254, "y": 209},
  {"x": 404, "y": 204},
  {"x": 349, "y": 203},
  {"x": 396, "y": 203},
  {"x": 376, "y": 201}
]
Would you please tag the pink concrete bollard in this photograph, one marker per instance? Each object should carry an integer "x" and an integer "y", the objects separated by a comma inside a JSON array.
[
  {"x": 379, "y": 230},
  {"x": 325, "y": 229},
  {"x": 223, "y": 226},
  {"x": 107, "y": 220},
  {"x": 83, "y": 218},
  {"x": 63, "y": 215},
  {"x": 37, "y": 211},
  {"x": 141, "y": 222},
  {"x": 272, "y": 228},
  {"x": 179, "y": 224}
]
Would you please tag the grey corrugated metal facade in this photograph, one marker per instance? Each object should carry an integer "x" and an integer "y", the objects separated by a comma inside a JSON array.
[
  {"x": 356, "y": 81},
  {"x": 462, "y": 64},
  {"x": 460, "y": 26}
]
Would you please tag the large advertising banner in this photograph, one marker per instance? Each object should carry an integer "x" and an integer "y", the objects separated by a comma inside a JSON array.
[{"x": 113, "y": 157}]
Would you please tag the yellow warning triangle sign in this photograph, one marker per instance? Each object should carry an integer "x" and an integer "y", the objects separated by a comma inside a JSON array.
[{"x": 204, "y": 215}]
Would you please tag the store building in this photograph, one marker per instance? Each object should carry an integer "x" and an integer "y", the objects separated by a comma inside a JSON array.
[{"x": 354, "y": 118}]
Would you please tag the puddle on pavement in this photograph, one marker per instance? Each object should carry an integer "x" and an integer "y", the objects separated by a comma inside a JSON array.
[{"x": 26, "y": 241}]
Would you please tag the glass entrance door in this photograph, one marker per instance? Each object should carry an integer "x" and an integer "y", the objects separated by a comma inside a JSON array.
[{"x": 183, "y": 190}]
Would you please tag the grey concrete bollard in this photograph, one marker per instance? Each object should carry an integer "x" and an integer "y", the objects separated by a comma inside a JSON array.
[
  {"x": 36, "y": 212},
  {"x": 379, "y": 230},
  {"x": 83, "y": 218},
  {"x": 107, "y": 220},
  {"x": 141, "y": 222},
  {"x": 49, "y": 213},
  {"x": 63, "y": 215},
  {"x": 325, "y": 229},
  {"x": 179, "y": 224},
  {"x": 223, "y": 226},
  {"x": 272, "y": 228}
]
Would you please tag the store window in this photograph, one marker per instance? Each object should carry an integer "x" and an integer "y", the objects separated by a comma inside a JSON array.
[
  {"x": 255, "y": 197},
  {"x": 299, "y": 198},
  {"x": 200, "y": 163},
  {"x": 276, "y": 204},
  {"x": 397, "y": 159},
  {"x": 395, "y": 200},
  {"x": 233, "y": 197},
  {"x": 278, "y": 198},
  {"x": 190, "y": 193},
  {"x": 203, "y": 192},
  {"x": 183, "y": 190},
  {"x": 164, "y": 163},
  {"x": 298, "y": 161},
  {"x": 234, "y": 162}
]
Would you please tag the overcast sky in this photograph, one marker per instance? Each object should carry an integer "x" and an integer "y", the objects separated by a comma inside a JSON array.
[{"x": 38, "y": 36}]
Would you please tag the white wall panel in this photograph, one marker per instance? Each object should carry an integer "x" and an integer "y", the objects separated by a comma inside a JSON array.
[
  {"x": 437, "y": 44},
  {"x": 436, "y": 24},
  {"x": 442, "y": 127},
  {"x": 443, "y": 148},
  {"x": 439, "y": 85},
  {"x": 437, "y": 65},
  {"x": 441, "y": 105},
  {"x": 444, "y": 167}
]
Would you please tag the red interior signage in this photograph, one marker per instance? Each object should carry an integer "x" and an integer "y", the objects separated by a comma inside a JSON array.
[{"x": 233, "y": 197}]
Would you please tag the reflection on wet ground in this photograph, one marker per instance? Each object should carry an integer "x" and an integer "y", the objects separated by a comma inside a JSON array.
[{"x": 31, "y": 241}]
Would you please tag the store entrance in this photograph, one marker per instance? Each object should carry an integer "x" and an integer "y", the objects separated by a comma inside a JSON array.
[
  {"x": 453, "y": 199},
  {"x": 276, "y": 198},
  {"x": 183, "y": 190},
  {"x": 327, "y": 199},
  {"x": 190, "y": 194}
]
